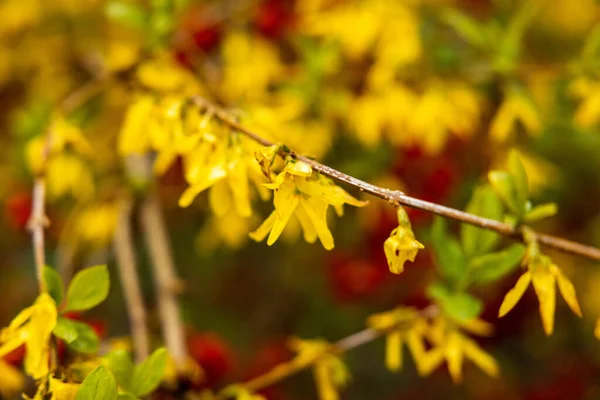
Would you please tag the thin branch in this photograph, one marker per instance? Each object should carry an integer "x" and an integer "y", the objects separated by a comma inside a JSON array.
[
  {"x": 165, "y": 279},
  {"x": 397, "y": 197},
  {"x": 38, "y": 221},
  {"x": 126, "y": 263},
  {"x": 284, "y": 370}
]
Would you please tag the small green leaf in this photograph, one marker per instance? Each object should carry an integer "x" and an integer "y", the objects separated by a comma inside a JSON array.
[
  {"x": 461, "y": 306},
  {"x": 542, "y": 211},
  {"x": 54, "y": 284},
  {"x": 504, "y": 186},
  {"x": 78, "y": 335},
  {"x": 65, "y": 329},
  {"x": 491, "y": 267},
  {"x": 477, "y": 241},
  {"x": 88, "y": 288},
  {"x": 120, "y": 364},
  {"x": 519, "y": 176},
  {"x": 449, "y": 256},
  {"x": 98, "y": 385},
  {"x": 126, "y": 13},
  {"x": 87, "y": 341},
  {"x": 148, "y": 374}
]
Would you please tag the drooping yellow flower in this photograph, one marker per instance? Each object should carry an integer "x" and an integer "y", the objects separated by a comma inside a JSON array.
[
  {"x": 329, "y": 371},
  {"x": 300, "y": 192},
  {"x": 544, "y": 275},
  {"x": 516, "y": 107},
  {"x": 32, "y": 327},
  {"x": 452, "y": 345},
  {"x": 401, "y": 245}
]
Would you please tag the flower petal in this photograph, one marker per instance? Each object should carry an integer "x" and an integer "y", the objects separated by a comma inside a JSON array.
[
  {"x": 316, "y": 211},
  {"x": 482, "y": 359},
  {"x": 567, "y": 290},
  {"x": 514, "y": 295},
  {"x": 393, "y": 351},
  {"x": 544, "y": 284}
]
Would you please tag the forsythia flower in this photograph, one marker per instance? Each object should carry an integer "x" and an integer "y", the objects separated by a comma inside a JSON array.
[
  {"x": 329, "y": 371},
  {"x": 306, "y": 194},
  {"x": 588, "y": 112},
  {"x": 544, "y": 275},
  {"x": 32, "y": 327},
  {"x": 454, "y": 346},
  {"x": 165, "y": 75},
  {"x": 516, "y": 107},
  {"x": 402, "y": 325},
  {"x": 401, "y": 245}
]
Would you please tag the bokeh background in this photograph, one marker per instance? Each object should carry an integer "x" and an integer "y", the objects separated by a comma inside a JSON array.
[{"x": 420, "y": 95}]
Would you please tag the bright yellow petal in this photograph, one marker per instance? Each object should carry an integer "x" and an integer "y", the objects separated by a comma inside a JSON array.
[
  {"x": 514, "y": 295},
  {"x": 212, "y": 176},
  {"x": 325, "y": 386},
  {"x": 567, "y": 290},
  {"x": 40, "y": 328},
  {"x": 63, "y": 391},
  {"x": 263, "y": 230},
  {"x": 544, "y": 284},
  {"x": 482, "y": 359},
  {"x": 393, "y": 351},
  {"x": 238, "y": 184},
  {"x": 298, "y": 168},
  {"x": 11, "y": 380},
  {"x": 285, "y": 201},
  {"x": 219, "y": 198},
  {"x": 454, "y": 356},
  {"x": 308, "y": 229},
  {"x": 317, "y": 214}
]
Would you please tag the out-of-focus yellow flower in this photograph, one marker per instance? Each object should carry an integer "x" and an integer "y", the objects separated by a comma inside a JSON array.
[
  {"x": 300, "y": 192},
  {"x": 568, "y": 18},
  {"x": 544, "y": 275},
  {"x": 230, "y": 229},
  {"x": 516, "y": 107},
  {"x": 17, "y": 15},
  {"x": 163, "y": 75},
  {"x": 68, "y": 174},
  {"x": 32, "y": 327},
  {"x": 588, "y": 92},
  {"x": 250, "y": 65},
  {"x": 11, "y": 380},
  {"x": 329, "y": 371},
  {"x": 454, "y": 346},
  {"x": 401, "y": 245},
  {"x": 191, "y": 370},
  {"x": 95, "y": 224}
]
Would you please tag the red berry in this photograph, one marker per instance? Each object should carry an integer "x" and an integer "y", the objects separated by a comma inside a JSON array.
[
  {"x": 273, "y": 17},
  {"x": 213, "y": 354}
]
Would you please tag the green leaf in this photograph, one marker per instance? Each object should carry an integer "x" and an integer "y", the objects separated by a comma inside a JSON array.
[
  {"x": 461, "y": 306},
  {"x": 542, "y": 211},
  {"x": 87, "y": 341},
  {"x": 88, "y": 288},
  {"x": 477, "y": 241},
  {"x": 127, "y": 396},
  {"x": 120, "y": 364},
  {"x": 521, "y": 186},
  {"x": 126, "y": 13},
  {"x": 504, "y": 186},
  {"x": 467, "y": 28},
  {"x": 98, "y": 385},
  {"x": 491, "y": 267},
  {"x": 54, "y": 284},
  {"x": 148, "y": 374},
  {"x": 78, "y": 335},
  {"x": 449, "y": 257}
]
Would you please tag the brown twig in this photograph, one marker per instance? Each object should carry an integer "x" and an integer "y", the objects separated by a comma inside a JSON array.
[
  {"x": 38, "y": 221},
  {"x": 126, "y": 263},
  {"x": 396, "y": 197},
  {"x": 292, "y": 367},
  {"x": 165, "y": 279}
]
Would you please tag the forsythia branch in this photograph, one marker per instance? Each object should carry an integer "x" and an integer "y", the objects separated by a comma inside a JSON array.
[
  {"x": 397, "y": 198},
  {"x": 292, "y": 367}
]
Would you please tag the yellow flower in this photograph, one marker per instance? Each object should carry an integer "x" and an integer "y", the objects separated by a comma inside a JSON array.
[
  {"x": 544, "y": 275},
  {"x": 68, "y": 174},
  {"x": 301, "y": 192},
  {"x": 401, "y": 245},
  {"x": 164, "y": 75},
  {"x": 63, "y": 390},
  {"x": 32, "y": 327},
  {"x": 11, "y": 380},
  {"x": 516, "y": 107},
  {"x": 329, "y": 371},
  {"x": 452, "y": 345},
  {"x": 588, "y": 92},
  {"x": 250, "y": 65}
]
